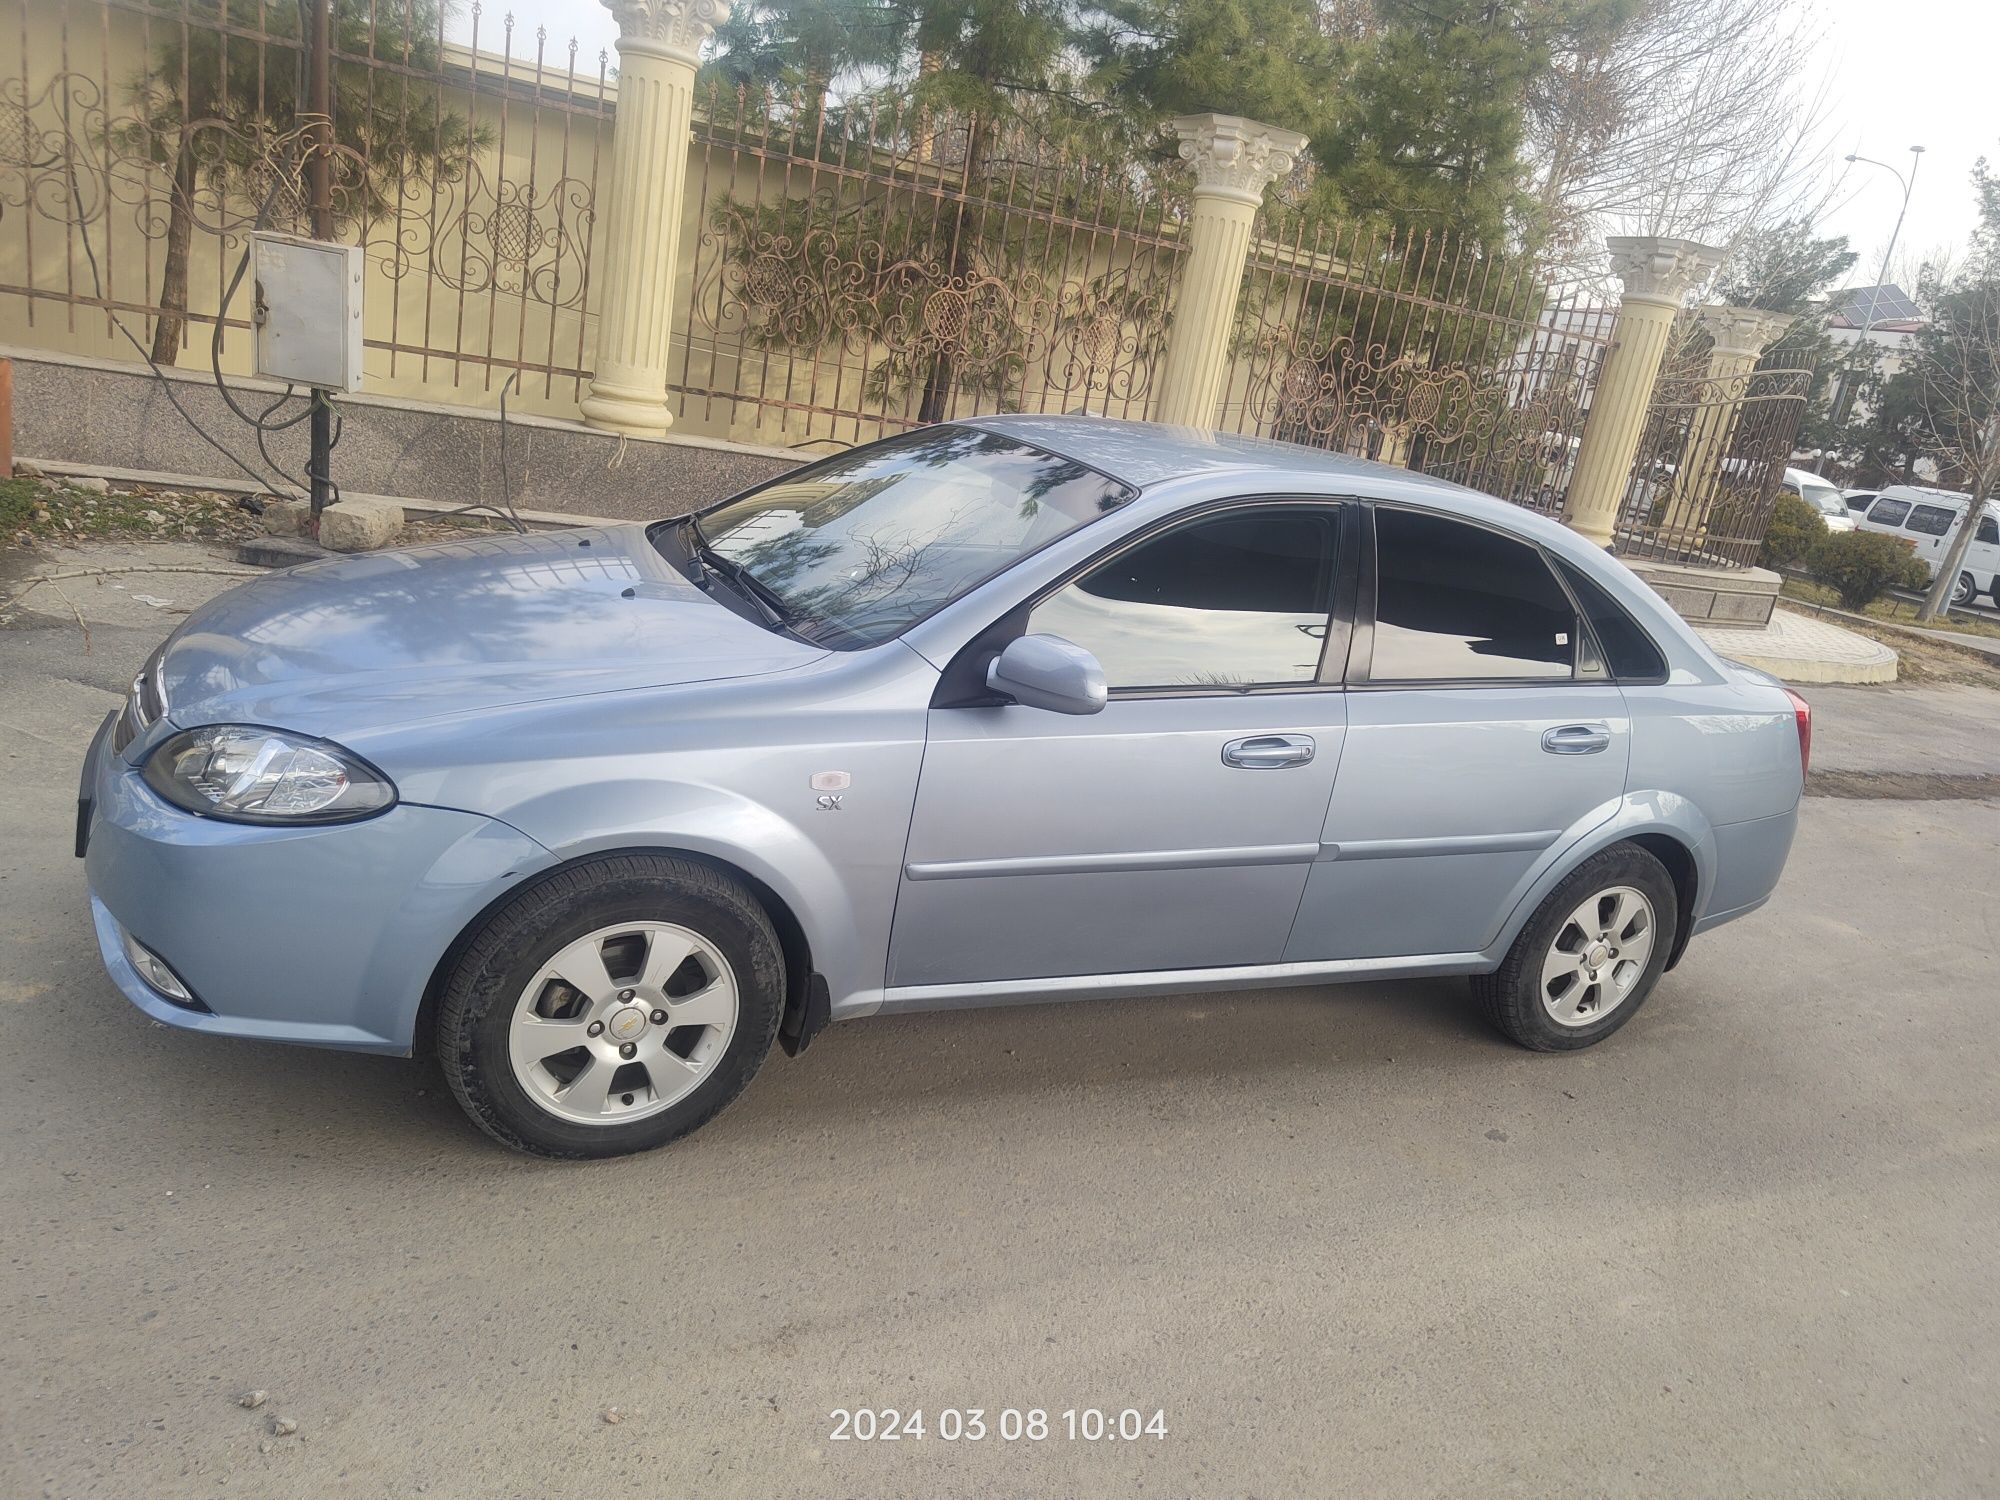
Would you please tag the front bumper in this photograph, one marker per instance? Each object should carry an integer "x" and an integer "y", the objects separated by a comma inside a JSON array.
[{"x": 325, "y": 935}]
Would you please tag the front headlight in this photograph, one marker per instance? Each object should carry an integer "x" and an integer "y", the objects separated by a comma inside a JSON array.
[{"x": 251, "y": 775}]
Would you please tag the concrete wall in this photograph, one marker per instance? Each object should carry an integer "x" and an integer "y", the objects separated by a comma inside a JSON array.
[
  {"x": 1712, "y": 596},
  {"x": 72, "y": 410}
]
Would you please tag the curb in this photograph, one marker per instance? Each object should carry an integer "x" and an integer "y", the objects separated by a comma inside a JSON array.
[{"x": 538, "y": 520}]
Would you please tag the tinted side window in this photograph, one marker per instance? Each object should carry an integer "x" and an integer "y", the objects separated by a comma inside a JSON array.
[
  {"x": 1860, "y": 502},
  {"x": 1239, "y": 600},
  {"x": 1628, "y": 651},
  {"x": 1931, "y": 520},
  {"x": 1989, "y": 531},
  {"x": 1889, "y": 512},
  {"x": 1458, "y": 601}
]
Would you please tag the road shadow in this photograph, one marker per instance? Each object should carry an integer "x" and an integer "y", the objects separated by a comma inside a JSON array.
[{"x": 221, "y": 1098}]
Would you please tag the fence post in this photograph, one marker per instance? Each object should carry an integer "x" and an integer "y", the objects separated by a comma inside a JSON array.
[
  {"x": 1233, "y": 159},
  {"x": 659, "y": 44},
  {"x": 1656, "y": 272},
  {"x": 1741, "y": 334}
]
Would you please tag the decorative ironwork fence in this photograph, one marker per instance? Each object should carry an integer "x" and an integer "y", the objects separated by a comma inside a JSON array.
[
  {"x": 142, "y": 140},
  {"x": 1420, "y": 351},
  {"x": 848, "y": 269},
  {"x": 1711, "y": 458},
  {"x": 861, "y": 269}
]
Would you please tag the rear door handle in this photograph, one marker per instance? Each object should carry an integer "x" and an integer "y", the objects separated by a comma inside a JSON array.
[
  {"x": 1576, "y": 739},
  {"x": 1268, "y": 752}
]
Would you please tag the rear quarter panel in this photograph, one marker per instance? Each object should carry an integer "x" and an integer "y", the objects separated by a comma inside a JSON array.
[{"x": 1731, "y": 748}]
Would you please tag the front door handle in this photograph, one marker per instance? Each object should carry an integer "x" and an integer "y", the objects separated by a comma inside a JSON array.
[
  {"x": 1268, "y": 752},
  {"x": 1576, "y": 739}
]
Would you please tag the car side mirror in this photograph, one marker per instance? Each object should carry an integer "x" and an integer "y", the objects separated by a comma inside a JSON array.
[{"x": 1046, "y": 671}]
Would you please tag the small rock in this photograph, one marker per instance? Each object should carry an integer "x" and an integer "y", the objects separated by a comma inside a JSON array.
[
  {"x": 265, "y": 1446},
  {"x": 357, "y": 525},
  {"x": 283, "y": 1426},
  {"x": 613, "y": 1416},
  {"x": 91, "y": 484},
  {"x": 251, "y": 1400},
  {"x": 25, "y": 470},
  {"x": 41, "y": 513},
  {"x": 154, "y": 518},
  {"x": 281, "y": 517}
]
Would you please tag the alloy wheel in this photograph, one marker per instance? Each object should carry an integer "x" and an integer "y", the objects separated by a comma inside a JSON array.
[
  {"x": 623, "y": 1022},
  {"x": 1598, "y": 956}
]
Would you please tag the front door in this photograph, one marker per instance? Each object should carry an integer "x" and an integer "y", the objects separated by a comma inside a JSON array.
[
  {"x": 1174, "y": 829},
  {"x": 1482, "y": 736}
]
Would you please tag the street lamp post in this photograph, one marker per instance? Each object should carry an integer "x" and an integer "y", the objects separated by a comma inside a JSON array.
[{"x": 1875, "y": 296}]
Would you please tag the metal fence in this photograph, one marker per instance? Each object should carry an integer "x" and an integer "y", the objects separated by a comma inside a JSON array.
[
  {"x": 860, "y": 269},
  {"x": 1711, "y": 458},
  {"x": 1417, "y": 350},
  {"x": 142, "y": 140},
  {"x": 848, "y": 269}
]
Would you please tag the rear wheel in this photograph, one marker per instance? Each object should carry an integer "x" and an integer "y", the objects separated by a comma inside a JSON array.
[
  {"x": 1588, "y": 957},
  {"x": 611, "y": 1008}
]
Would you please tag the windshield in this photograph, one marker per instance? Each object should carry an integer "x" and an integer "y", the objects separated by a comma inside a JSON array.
[
  {"x": 860, "y": 547},
  {"x": 1824, "y": 498}
]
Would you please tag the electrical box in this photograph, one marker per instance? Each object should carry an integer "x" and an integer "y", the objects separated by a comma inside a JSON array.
[{"x": 307, "y": 310}]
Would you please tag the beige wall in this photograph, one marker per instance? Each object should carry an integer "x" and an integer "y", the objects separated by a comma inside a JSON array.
[{"x": 439, "y": 292}]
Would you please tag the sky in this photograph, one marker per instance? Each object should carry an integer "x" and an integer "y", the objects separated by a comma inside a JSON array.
[
  {"x": 1898, "y": 73},
  {"x": 1911, "y": 73}
]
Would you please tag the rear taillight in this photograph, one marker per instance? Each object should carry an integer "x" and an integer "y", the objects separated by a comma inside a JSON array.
[{"x": 1802, "y": 711}]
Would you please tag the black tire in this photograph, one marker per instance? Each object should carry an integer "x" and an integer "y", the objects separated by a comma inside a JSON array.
[
  {"x": 1511, "y": 995},
  {"x": 1964, "y": 591},
  {"x": 477, "y": 1007}
]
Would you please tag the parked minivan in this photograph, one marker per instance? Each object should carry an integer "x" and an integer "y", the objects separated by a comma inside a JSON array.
[
  {"x": 1925, "y": 518},
  {"x": 1821, "y": 494}
]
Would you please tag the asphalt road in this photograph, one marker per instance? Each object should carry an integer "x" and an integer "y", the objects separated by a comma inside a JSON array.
[{"x": 1347, "y": 1240}]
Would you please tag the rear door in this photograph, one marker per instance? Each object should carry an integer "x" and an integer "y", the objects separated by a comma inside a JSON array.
[
  {"x": 1927, "y": 527},
  {"x": 1483, "y": 732},
  {"x": 1886, "y": 514}
]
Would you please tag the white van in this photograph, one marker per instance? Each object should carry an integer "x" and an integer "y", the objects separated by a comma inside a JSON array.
[
  {"x": 1925, "y": 519},
  {"x": 1823, "y": 495}
]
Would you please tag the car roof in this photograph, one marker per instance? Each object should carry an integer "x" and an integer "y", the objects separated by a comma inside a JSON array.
[
  {"x": 1796, "y": 476},
  {"x": 1143, "y": 454},
  {"x": 1927, "y": 493}
]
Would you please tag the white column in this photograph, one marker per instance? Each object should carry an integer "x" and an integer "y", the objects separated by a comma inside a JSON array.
[
  {"x": 1657, "y": 273},
  {"x": 659, "y": 45},
  {"x": 1741, "y": 335},
  {"x": 1233, "y": 159}
]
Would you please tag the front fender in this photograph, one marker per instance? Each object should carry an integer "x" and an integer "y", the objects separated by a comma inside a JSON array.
[
  {"x": 1631, "y": 815},
  {"x": 843, "y": 909}
]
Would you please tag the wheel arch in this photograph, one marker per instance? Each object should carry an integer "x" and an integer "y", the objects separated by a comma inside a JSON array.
[
  {"x": 1679, "y": 861},
  {"x": 806, "y": 1004},
  {"x": 1668, "y": 826}
]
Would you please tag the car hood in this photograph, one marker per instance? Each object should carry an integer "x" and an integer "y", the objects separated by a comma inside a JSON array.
[{"x": 388, "y": 637}]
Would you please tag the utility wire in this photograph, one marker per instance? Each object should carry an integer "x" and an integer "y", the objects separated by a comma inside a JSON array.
[{"x": 271, "y": 480}]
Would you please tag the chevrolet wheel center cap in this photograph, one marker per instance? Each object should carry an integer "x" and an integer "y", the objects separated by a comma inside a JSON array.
[{"x": 627, "y": 1024}]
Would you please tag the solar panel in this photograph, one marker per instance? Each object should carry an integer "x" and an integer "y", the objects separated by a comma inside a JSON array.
[{"x": 1883, "y": 304}]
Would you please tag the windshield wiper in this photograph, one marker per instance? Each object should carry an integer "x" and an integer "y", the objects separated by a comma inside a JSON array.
[{"x": 760, "y": 596}]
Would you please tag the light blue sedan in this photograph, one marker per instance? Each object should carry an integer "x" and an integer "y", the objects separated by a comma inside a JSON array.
[{"x": 1018, "y": 709}]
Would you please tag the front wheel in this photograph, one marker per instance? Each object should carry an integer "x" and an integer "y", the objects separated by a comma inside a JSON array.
[
  {"x": 612, "y": 1007},
  {"x": 1964, "y": 591},
  {"x": 1588, "y": 957}
]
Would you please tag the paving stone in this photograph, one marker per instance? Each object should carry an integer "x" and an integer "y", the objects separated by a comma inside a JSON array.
[{"x": 1799, "y": 648}]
